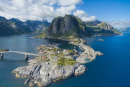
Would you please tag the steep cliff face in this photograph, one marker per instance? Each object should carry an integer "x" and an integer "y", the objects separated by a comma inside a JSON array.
[
  {"x": 65, "y": 27},
  {"x": 62, "y": 25},
  {"x": 71, "y": 27}
]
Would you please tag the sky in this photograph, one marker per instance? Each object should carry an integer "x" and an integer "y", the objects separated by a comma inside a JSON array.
[{"x": 114, "y": 12}]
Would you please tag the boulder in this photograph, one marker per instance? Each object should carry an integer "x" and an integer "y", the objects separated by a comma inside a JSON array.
[
  {"x": 80, "y": 70},
  {"x": 99, "y": 53}
]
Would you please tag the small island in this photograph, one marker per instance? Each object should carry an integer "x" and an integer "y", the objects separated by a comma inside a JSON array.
[
  {"x": 100, "y": 39},
  {"x": 54, "y": 64}
]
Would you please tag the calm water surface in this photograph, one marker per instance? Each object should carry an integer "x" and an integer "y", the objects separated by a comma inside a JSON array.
[{"x": 110, "y": 70}]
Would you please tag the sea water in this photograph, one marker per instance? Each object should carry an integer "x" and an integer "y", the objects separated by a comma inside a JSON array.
[{"x": 110, "y": 70}]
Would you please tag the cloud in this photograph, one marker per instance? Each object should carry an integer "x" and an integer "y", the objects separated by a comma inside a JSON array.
[
  {"x": 70, "y": 2},
  {"x": 84, "y": 16},
  {"x": 122, "y": 24},
  {"x": 38, "y": 9}
]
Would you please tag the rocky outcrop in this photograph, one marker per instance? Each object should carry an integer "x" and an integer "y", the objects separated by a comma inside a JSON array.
[
  {"x": 45, "y": 73},
  {"x": 99, "y": 53},
  {"x": 64, "y": 27},
  {"x": 80, "y": 70},
  {"x": 88, "y": 55},
  {"x": 45, "y": 70}
]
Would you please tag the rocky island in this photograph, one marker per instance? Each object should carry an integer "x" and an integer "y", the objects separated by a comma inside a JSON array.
[{"x": 54, "y": 63}]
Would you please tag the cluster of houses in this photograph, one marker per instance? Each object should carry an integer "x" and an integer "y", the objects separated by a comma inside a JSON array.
[{"x": 53, "y": 49}]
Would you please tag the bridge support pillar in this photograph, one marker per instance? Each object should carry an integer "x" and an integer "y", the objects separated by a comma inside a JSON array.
[
  {"x": 2, "y": 56},
  {"x": 26, "y": 57}
]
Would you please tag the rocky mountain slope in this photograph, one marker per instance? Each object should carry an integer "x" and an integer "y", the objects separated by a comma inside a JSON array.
[
  {"x": 127, "y": 30},
  {"x": 69, "y": 27},
  {"x": 98, "y": 27},
  {"x": 15, "y": 26},
  {"x": 124, "y": 30},
  {"x": 66, "y": 27}
]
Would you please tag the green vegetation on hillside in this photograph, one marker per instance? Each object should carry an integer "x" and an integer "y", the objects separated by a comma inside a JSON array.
[
  {"x": 71, "y": 27},
  {"x": 101, "y": 27},
  {"x": 65, "y": 61},
  {"x": 40, "y": 36},
  {"x": 81, "y": 23}
]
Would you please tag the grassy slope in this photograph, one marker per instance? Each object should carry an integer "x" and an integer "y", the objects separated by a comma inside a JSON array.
[{"x": 99, "y": 28}]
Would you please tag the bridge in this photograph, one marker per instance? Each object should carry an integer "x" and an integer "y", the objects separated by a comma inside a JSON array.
[{"x": 25, "y": 53}]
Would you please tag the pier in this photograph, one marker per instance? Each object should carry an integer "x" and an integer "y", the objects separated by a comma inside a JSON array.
[{"x": 25, "y": 53}]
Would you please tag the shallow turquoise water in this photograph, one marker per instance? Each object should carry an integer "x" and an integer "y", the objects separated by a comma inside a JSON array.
[
  {"x": 87, "y": 59},
  {"x": 110, "y": 70}
]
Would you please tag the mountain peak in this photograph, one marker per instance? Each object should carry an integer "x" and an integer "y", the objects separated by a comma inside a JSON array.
[
  {"x": 72, "y": 26},
  {"x": 64, "y": 25}
]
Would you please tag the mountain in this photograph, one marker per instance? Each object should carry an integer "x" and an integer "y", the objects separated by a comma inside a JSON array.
[
  {"x": 70, "y": 27},
  {"x": 36, "y": 26},
  {"x": 127, "y": 30},
  {"x": 124, "y": 29},
  {"x": 98, "y": 27},
  {"x": 66, "y": 27},
  {"x": 15, "y": 26}
]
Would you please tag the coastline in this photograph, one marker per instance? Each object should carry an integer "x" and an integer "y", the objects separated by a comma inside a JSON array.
[{"x": 34, "y": 70}]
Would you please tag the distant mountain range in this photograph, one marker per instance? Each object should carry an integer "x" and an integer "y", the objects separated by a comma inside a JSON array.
[
  {"x": 61, "y": 27},
  {"x": 15, "y": 26},
  {"x": 101, "y": 27},
  {"x": 124, "y": 29},
  {"x": 70, "y": 27},
  {"x": 127, "y": 29}
]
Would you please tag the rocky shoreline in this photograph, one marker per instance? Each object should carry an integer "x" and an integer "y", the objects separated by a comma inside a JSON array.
[{"x": 57, "y": 64}]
